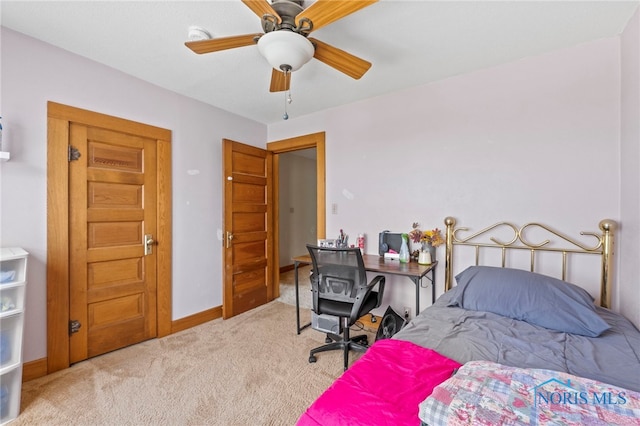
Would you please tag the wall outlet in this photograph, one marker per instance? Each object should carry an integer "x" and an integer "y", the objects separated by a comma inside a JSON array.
[{"x": 407, "y": 313}]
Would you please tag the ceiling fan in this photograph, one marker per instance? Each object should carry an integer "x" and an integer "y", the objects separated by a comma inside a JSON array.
[{"x": 285, "y": 42}]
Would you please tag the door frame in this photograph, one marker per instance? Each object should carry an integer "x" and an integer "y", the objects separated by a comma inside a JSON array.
[
  {"x": 58, "y": 118},
  {"x": 313, "y": 140}
]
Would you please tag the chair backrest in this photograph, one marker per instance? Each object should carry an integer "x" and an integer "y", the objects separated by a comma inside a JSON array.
[{"x": 338, "y": 273}]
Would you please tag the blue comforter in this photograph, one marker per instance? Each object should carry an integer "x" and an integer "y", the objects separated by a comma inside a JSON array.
[{"x": 463, "y": 335}]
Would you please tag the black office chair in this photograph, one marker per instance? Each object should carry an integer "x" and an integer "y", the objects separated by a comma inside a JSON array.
[{"x": 340, "y": 289}]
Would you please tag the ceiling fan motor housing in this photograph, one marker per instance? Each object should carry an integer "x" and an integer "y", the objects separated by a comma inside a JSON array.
[{"x": 287, "y": 9}]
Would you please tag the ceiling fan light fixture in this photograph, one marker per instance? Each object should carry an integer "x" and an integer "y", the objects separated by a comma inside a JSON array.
[{"x": 285, "y": 48}]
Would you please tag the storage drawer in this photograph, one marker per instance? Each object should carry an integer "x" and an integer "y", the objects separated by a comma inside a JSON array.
[
  {"x": 11, "y": 299},
  {"x": 12, "y": 271},
  {"x": 10, "y": 388},
  {"x": 10, "y": 342}
]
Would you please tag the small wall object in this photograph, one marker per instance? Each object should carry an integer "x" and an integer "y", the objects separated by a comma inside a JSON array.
[{"x": 4, "y": 156}]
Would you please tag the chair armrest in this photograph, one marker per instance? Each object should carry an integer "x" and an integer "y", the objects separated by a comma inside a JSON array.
[
  {"x": 364, "y": 292},
  {"x": 381, "y": 280}
]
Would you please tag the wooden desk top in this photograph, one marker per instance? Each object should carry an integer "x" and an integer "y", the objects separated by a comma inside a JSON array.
[{"x": 375, "y": 263}]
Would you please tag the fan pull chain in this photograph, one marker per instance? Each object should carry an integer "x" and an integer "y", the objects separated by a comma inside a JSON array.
[{"x": 287, "y": 93}]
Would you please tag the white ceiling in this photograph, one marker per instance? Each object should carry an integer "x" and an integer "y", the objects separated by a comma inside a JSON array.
[{"x": 409, "y": 43}]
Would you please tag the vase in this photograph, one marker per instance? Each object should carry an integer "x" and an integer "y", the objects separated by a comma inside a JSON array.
[
  {"x": 424, "y": 257},
  {"x": 431, "y": 249}
]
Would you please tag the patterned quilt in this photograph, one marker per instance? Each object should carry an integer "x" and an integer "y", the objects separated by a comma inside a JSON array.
[{"x": 487, "y": 393}]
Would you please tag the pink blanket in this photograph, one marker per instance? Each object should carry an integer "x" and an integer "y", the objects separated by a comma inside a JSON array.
[{"x": 384, "y": 387}]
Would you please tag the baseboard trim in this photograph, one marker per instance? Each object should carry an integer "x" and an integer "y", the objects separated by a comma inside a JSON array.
[
  {"x": 34, "y": 369},
  {"x": 286, "y": 268},
  {"x": 196, "y": 319}
]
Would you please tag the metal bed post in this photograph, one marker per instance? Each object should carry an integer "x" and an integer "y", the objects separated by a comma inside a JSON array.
[
  {"x": 450, "y": 224},
  {"x": 608, "y": 228}
]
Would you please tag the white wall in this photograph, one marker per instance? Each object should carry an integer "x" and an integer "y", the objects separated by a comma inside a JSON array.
[
  {"x": 34, "y": 73},
  {"x": 533, "y": 140},
  {"x": 628, "y": 244},
  {"x": 298, "y": 212}
]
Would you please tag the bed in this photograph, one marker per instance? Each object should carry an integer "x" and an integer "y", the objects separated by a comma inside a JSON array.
[{"x": 507, "y": 344}]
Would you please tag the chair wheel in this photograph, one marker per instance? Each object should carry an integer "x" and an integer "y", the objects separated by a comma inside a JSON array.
[
  {"x": 328, "y": 339},
  {"x": 312, "y": 359}
]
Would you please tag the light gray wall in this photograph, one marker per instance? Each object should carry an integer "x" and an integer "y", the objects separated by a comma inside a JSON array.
[
  {"x": 627, "y": 292},
  {"x": 34, "y": 73},
  {"x": 537, "y": 139}
]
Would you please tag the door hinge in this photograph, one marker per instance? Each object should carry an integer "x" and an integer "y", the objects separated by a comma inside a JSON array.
[
  {"x": 72, "y": 153},
  {"x": 74, "y": 326}
]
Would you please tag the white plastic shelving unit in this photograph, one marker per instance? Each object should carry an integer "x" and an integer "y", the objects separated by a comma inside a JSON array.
[{"x": 13, "y": 280}]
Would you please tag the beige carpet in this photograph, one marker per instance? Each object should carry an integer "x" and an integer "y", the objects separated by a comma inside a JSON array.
[
  {"x": 250, "y": 369},
  {"x": 287, "y": 287}
]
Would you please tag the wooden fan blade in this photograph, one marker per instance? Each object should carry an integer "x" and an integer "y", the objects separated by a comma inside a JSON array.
[
  {"x": 262, "y": 7},
  {"x": 279, "y": 81},
  {"x": 339, "y": 59},
  {"x": 222, "y": 43},
  {"x": 324, "y": 12}
]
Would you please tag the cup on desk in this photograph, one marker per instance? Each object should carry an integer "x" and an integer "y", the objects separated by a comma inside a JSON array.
[{"x": 424, "y": 258}]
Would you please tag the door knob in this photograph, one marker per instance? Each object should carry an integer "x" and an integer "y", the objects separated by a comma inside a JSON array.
[{"x": 148, "y": 244}]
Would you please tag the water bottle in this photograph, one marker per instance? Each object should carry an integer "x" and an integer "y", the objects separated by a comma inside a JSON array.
[{"x": 404, "y": 249}]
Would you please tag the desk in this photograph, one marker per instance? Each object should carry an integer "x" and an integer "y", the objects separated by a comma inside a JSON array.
[{"x": 375, "y": 263}]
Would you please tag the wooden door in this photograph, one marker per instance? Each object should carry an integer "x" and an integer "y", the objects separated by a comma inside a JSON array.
[
  {"x": 248, "y": 259},
  {"x": 112, "y": 207}
]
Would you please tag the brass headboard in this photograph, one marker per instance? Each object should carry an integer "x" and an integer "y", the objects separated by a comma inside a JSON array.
[{"x": 603, "y": 248}]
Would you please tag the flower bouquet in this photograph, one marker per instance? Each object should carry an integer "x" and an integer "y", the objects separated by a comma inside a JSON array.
[{"x": 429, "y": 239}]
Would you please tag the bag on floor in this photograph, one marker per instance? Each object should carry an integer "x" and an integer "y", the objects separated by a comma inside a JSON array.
[{"x": 390, "y": 324}]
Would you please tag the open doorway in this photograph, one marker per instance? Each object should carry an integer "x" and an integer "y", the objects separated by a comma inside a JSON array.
[
  {"x": 296, "y": 204},
  {"x": 316, "y": 142}
]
